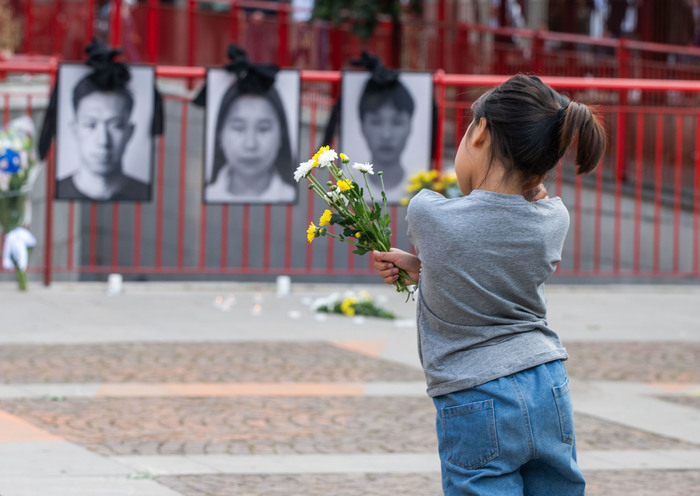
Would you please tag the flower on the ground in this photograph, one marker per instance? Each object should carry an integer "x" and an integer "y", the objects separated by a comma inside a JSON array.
[
  {"x": 361, "y": 222},
  {"x": 344, "y": 185},
  {"x": 325, "y": 218},
  {"x": 351, "y": 304},
  {"x": 312, "y": 232},
  {"x": 303, "y": 170},
  {"x": 347, "y": 306},
  {"x": 365, "y": 168}
]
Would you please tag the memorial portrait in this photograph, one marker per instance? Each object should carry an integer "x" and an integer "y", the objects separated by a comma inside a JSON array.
[
  {"x": 251, "y": 139},
  {"x": 388, "y": 124},
  {"x": 104, "y": 143}
]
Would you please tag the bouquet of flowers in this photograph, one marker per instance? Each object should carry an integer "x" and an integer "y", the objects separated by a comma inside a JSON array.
[
  {"x": 18, "y": 172},
  {"x": 444, "y": 183},
  {"x": 364, "y": 223},
  {"x": 351, "y": 304}
]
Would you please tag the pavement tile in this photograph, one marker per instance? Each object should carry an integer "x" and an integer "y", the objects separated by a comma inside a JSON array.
[{"x": 196, "y": 362}]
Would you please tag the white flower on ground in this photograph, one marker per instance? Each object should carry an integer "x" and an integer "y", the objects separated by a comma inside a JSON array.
[
  {"x": 303, "y": 169},
  {"x": 327, "y": 157},
  {"x": 365, "y": 168}
]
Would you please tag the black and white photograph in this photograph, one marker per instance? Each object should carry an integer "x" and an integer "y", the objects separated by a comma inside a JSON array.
[
  {"x": 104, "y": 145},
  {"x": 251, "y": 140},
  {"x": 389, "y": 126}
]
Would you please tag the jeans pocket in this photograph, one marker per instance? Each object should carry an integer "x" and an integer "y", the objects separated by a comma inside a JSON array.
[
  {"x": 565, "y": 409},
  {"x": 469, "y": 434}
]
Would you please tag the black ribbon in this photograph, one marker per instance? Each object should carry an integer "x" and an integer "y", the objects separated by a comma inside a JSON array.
[
  {"x": 250, "y": 78},
  {"x": 107, "y": 75}
]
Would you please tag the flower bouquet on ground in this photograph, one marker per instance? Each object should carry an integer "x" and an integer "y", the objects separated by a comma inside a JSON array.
[
  {"x": 351, "y": 304},
  {"x": 364, "y": 223},
  {"x": 444, "y": 183},
  {"x": 18, "y": 172}
]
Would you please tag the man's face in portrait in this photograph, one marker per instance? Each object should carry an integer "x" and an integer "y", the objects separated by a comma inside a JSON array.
[
  {"x": 102, "y": 129},
  {"x": 386, "y": 130}
]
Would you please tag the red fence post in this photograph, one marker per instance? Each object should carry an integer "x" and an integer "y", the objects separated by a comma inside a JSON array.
[
  {"x": 28, "y": 26},
  {"x": 50, "y": 182},
  {"x": 191, "y": 34},
  {"x": 537, "y": 53},
  {"x": 152, "y": 28},
  {"x": 439, "y": 138},
  {"x": 622, "y": 63},
  {"x": 283, "y": 49},
  {"x": 116, "y": 34},
  {"x": 233, "y": 26}
]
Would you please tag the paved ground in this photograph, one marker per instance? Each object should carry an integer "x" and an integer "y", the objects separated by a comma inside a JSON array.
[{"x": 212, "y": 389}]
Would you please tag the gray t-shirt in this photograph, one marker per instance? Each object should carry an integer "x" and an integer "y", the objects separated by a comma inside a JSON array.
[{"x": 481, "y": 306}]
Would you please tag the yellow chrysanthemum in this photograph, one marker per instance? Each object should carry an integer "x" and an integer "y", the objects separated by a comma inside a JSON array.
[
  {"x": 404, "y": 201},
  {"x": 358, "y": 235},
  {"x": 345, "y": 159},
  {"x": 344, "y": 185},
  {"x": 325, "y": 218},
  {"x": 348, "y": 306},
  {"x": 311, "y": 232}
]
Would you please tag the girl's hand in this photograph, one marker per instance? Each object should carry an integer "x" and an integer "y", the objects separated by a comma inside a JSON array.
[
  {"x": 539, "y": 192},
  {"x": 389, "y": 263}
]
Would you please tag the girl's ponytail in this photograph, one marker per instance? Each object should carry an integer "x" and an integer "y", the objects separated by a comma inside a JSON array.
[{"x": 580, "y": 123}]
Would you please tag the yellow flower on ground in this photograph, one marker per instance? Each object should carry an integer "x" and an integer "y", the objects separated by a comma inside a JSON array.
[
  {"x": 344, "y": 185},
  {"x": 348, "y": 306},
  {"x": 311, "y": 232},
  {"x": 325, "y": 218}
]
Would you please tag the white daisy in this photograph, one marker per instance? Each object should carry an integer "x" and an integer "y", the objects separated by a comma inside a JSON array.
[
  {"x": 303, "y": 170},
  {"x": 365, "y": 168},
  {"x": 326, "y": 158}
]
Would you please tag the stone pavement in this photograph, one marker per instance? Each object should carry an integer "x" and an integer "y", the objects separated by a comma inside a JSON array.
[{"x": 229, "y": 389}]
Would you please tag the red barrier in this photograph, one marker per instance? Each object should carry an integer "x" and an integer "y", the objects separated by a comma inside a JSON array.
[
  {"x": 638, "y": 216},
  {"x": 197, "y": 34}
]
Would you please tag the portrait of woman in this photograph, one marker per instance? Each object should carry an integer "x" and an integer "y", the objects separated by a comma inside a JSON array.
[
  {"x": 104, "y": 146},
  {"x": 387, "y": 125},
  {"x": 251, "y": 136}
]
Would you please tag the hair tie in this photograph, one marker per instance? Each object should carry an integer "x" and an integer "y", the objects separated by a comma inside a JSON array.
[
  {"x": 561, "y": 111},
  {"x": 381, "y": 76}
]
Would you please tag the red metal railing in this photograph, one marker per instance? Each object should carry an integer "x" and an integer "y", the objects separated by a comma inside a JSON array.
[
  {"x": 637, "y": 216},
  {"x": 197, "y": 34}
]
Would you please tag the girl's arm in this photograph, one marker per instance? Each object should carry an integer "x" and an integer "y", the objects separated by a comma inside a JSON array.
[{"x": 389, "y": 263}]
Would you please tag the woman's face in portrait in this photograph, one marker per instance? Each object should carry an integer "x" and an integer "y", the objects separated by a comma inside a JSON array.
[
  {"x": 386, "y": 130},
  {"x": 250, "y": 137},
  {"x": 102, "y": 130}
]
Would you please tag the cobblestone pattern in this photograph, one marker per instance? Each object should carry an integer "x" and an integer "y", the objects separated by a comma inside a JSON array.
[
  {"x": 644, "y": 362},
  {"x": 270, "y": 362},
  {"x": 261, "y": 425},
  {"x": 195, "y": 362},
  {"x": 599, "y": 483}
]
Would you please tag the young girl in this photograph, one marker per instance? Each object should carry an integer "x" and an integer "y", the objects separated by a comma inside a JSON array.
[{"x": 493, "y": 365}]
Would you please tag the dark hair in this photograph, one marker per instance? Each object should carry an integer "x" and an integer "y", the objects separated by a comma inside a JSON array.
[
  {"x": 375, "y": 95},
  {"x": 86, "y": 86},
  {"x": 284, "y": 160},
  {"x": 532, "y": 126}
]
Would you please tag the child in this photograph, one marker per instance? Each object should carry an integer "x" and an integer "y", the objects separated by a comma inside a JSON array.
[{"x": 493, "y": 365}]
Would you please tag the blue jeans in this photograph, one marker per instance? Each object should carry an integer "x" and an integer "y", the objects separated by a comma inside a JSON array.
[{"x": 510, "y": 436}]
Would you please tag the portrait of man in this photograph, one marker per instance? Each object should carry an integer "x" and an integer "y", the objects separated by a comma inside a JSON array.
[
  {"x": 388, "y": 124},
  {"x": 104, "y": 146},
  {"x": 251, "y": 139}
]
